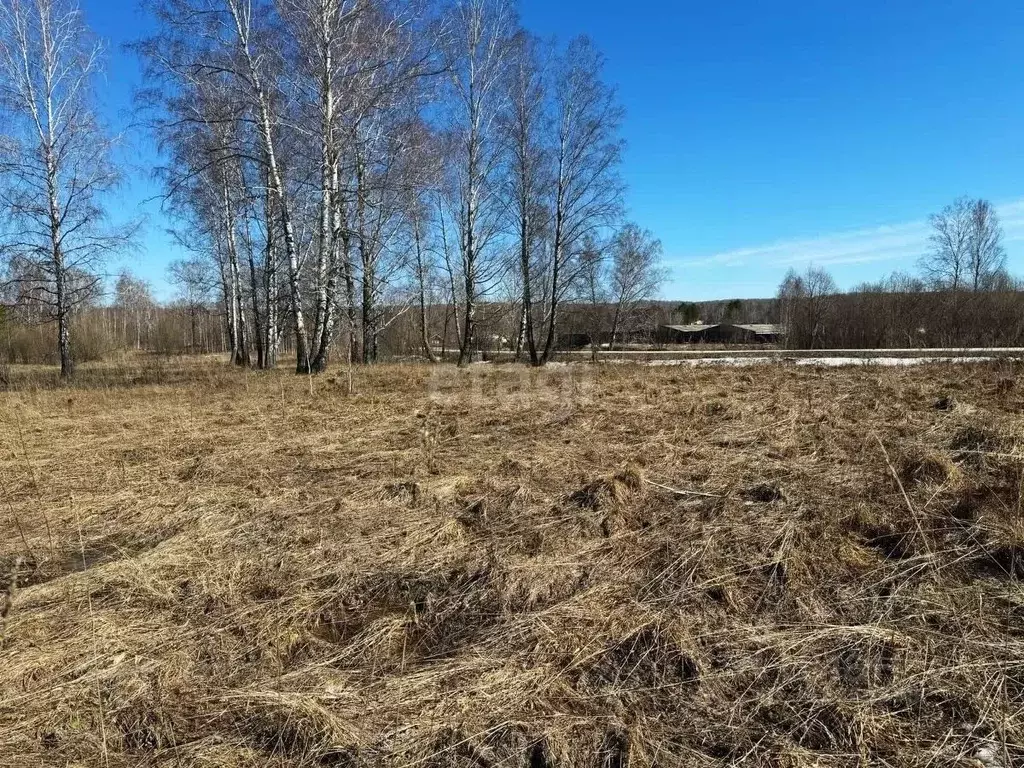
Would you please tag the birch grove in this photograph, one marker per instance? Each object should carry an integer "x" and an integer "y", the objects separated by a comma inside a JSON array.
[{"x": 344, "y": 162}]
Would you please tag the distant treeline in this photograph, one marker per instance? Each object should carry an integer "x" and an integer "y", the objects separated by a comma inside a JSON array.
[
  {"x": 102, "y": 332},
  {"x": 871, "y": 317},
  {"x": 902, "y": 314}
]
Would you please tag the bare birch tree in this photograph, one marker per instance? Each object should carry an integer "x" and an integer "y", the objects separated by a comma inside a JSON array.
[
  {"x": 477, "y": 57},
  {"x": 55, "y": 158},
  {"x": 243, "y": 14},
  {"x": 528, "y": 172},
  {"x": 322, "y": 30},
  {"x": 986, "y": 256},
  {"x": 635, "y": 273},
  {"x": 587, "y": 150},
  {"x": 422, "y": 174},
  {"x": 947, "y": 264}
]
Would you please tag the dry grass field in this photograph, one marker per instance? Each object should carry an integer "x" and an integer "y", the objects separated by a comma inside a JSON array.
[{"x": 588, "y": 566}]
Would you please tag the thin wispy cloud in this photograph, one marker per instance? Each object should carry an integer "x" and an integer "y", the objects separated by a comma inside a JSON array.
[{"x": 898, "y": 242}]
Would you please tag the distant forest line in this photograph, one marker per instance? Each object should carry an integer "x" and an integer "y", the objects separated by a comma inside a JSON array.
[{"x": 861, "y": 319}]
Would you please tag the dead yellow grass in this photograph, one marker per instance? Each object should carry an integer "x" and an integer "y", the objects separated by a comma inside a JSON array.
[{"x": 585, "y": 566}]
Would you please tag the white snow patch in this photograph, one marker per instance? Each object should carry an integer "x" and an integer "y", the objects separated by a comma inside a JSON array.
[{"x": 831, "y": 362}]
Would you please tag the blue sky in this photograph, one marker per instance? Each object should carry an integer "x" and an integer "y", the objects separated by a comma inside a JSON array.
[{"x": 768, "y": 135}]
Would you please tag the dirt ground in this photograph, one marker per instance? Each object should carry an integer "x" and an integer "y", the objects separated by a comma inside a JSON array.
[{"x": 584, "y": 566}]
